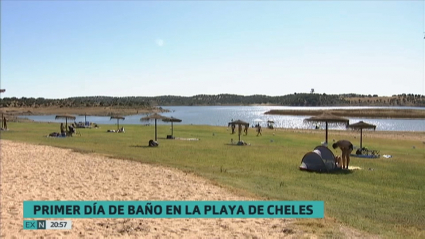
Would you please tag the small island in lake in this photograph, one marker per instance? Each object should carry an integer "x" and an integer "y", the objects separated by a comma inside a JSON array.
[{"x": 367, "y": 113}]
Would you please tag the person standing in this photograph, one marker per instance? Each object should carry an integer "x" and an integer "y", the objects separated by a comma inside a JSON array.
[
  {"x": 346, "y": 149},
  {"x": 246, "y": 129},
  {"x": 259, "y": 130}
]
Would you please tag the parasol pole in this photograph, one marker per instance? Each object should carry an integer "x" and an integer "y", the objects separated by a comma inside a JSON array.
[
  {"x": 172, "y": 130},
  {"x": 118, "y": 123},
  {"x": 326, "y": 141},
  {"x": 361, "y": 138},
  {"x": 155, "y": 131},
  {"x": 240, "y": 129},
  {"x": 2, "y": 117}
]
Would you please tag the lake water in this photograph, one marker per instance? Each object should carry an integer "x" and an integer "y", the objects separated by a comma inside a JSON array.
[{"x": 221, "y": 115}]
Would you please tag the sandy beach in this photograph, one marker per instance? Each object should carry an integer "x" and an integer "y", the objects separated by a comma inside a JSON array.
[{"x": 34, "y": 172}]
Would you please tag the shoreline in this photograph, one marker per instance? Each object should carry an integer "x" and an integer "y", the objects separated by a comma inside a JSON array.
[
  {"x": 108, "y": 111},
  {"x": 26, "y": 120},
  {"x": 385, "y": 134},
  {"x": 15, "y": 119}
]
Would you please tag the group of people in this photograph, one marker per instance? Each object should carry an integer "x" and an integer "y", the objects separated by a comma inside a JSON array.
[
  {"x": 71, "y": 130},
  {"x": 346, "y": 148},
  {"x": 85, "y": 125},
  {"x": 63, "y": 132},
  {"x": 258, "y": 129}
]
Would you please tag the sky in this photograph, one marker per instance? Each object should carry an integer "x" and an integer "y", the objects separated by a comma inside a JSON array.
[{"x": 60, "y": 49}]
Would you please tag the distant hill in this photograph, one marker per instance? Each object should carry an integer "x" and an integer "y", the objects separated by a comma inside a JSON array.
[{"x": 296, "y": 99}]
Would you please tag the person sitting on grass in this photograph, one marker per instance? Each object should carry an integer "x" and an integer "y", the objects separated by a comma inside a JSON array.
[
  {"x": 54, "y": 134},
  {"x": 71, "y": 130},
  {"x": 346, "y": 148}
]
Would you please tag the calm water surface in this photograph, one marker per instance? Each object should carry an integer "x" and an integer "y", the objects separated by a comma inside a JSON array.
[{"x": 221, "y": 115}]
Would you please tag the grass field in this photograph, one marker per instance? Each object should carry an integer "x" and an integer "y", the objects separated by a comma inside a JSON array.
[{"x": 386, "y": 197}]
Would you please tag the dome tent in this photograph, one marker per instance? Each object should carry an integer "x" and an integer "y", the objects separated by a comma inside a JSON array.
[{"x": 320, "y": 160}]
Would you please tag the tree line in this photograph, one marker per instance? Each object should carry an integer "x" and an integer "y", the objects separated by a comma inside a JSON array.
[{"x": 296, "y": 99}]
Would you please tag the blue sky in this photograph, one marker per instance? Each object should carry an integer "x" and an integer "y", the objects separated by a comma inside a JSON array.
[{"x": 59, "y": 49}]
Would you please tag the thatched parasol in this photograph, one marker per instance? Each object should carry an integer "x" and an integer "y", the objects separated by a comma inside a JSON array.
[
  {"x": 239, "y": 123},
  {"x": 172, "y": 120},
  {"x": 66, "y": 117},
  {"x": 155, "y": 117},
  {"x": 118, "y": 118},
  {"x": 360, "y": 126},
  {"x": 328, "y": 118}
]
